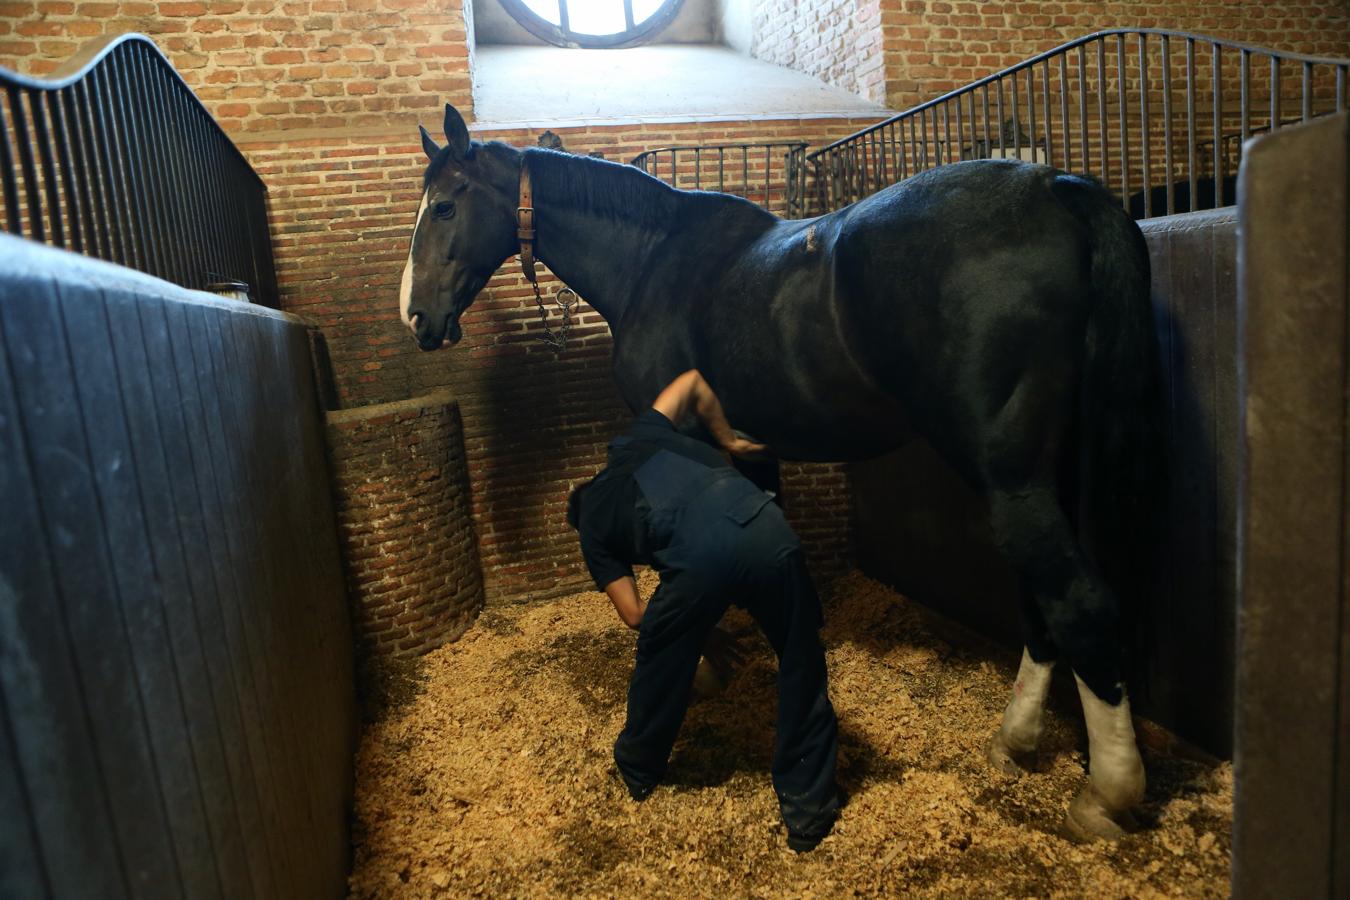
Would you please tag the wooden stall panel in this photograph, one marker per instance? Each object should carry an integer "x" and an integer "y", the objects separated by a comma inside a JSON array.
[
  {"x": 55, "y": 760},
  {"x": 1291, "y": 828},
  {"x": 203, "y": 693},
  {"x": 920, "y": 528},
  {"x": 75, "y": 523},
  {"x": 175, "y": 675},
  {"x": 1189, "y": 678}
]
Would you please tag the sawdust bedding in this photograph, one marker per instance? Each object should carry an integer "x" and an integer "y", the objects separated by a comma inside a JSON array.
[{"x": 494, "y": 777}]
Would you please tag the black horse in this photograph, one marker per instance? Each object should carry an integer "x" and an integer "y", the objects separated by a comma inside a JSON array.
[
  {"x": 1181, "y": 196},
  {"x": 998, "y": 309}
]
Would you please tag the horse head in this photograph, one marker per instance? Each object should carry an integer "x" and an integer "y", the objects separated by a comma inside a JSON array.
[{"x": 465, "y": 230}]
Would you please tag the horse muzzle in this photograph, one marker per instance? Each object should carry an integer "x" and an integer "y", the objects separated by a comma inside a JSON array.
[{"x": 434, "y": 337}]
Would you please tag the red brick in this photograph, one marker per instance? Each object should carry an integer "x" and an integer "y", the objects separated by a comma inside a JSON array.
[{"x": 182, "y": 9}]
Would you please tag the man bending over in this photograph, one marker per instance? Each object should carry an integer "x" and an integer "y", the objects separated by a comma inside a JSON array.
[{"x": 675, "y": 503}]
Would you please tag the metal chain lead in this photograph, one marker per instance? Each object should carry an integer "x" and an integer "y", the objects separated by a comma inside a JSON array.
[{"x": 557, "y": 342}]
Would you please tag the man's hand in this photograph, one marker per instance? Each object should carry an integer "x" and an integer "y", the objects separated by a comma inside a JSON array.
[
  {"x": 741, "y": 446},
  {"x": 690, "y": 393}
]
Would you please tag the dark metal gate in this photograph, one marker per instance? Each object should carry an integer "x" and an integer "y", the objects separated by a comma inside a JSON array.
[
  {"x": 1157, "y": 116},
  {"x": 117, "y": 159},
  {"x": 772, "y": 174}
]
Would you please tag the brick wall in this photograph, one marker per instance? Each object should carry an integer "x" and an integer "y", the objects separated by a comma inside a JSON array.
[
  {"x": 291, "y": 65},
  {"x": 934, "y": 46},
  {"x": 274, "y": 65},
  {"x": 902, "y": 52},
  {"x": 837, "y": 41},
  {"x": 402, "y": 497}
]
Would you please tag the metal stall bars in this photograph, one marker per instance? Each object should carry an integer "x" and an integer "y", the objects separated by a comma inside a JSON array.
[
  {"x": 116, "y": 158},
  {"x": 770, "y": 174},
  {"x": 1157, "y": 116}
]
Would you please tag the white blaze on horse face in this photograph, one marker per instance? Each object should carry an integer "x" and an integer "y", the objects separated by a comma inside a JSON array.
[
  {"x": 1114, "y": 768},
  {"x": 406, "y": 286},
  {"x": 1022, "y": 719}
]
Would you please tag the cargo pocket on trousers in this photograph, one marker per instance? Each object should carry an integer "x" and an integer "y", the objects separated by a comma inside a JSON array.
[{"x": 746, "y": 508}]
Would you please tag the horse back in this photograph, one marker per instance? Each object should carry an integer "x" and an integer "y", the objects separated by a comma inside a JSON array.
[
  {"x": 827, "y": 336},
  {"x": 958, "y": 264}
]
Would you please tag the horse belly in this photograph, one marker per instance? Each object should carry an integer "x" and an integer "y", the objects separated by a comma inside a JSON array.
[
  {"x": 833, "y": 416},
  {"x": 836, "y": 439},
  {"x": 794, "y": 382}
]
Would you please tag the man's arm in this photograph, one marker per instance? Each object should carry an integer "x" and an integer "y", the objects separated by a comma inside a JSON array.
[
  {"x": 690, "y": 393},
  {"x": 622, "y": 592}
]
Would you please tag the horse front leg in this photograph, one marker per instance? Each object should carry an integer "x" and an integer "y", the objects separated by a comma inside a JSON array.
[
  {"x": 1023, "y": 718},
  {"x": 1080, "y": 617}
]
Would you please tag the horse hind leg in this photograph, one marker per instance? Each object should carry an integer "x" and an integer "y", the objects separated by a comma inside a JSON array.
[
  {"x": 1115, "y": 770},
  {"x": 1080, "y": 616},
  {"x": 1020, "y": 732}
]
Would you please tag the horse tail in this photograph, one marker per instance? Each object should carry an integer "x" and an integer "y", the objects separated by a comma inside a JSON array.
[{"x": 1121, "y": 464}]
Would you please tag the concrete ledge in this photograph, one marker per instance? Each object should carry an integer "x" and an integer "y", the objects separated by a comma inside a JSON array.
[
  {"x": 1190, "y": 221},
  {"x": 432, "y": 400}
]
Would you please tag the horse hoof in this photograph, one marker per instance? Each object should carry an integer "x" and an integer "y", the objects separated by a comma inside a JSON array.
[
  {"x": 708, "y": 682},
  {"x": 1000, "y": 756},
  {"x": 1089, "y": 819}
]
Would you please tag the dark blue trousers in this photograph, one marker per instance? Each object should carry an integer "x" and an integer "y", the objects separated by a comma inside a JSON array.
[{"x": 756, "y": 564}]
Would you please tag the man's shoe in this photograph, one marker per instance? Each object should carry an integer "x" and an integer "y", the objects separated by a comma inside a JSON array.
[
  {"x": 636, "y": 791},
  {"x": 804, "y": 844}
]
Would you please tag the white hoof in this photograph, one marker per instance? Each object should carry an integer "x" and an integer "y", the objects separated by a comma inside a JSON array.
[
  {"x": 1001, "y": 757},
  {"x": 1021, "y": 728},
  {"x": 708, "y": 682},
  {"x": 1090, "y": 819},
  {"x": 1115, "y": 770}
]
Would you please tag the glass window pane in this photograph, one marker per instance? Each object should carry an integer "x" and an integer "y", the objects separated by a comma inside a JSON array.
[
  {"x": 645, "y": 9},
  {"x": 545, "y": 9},
  {"x": 595, "y": 16}
]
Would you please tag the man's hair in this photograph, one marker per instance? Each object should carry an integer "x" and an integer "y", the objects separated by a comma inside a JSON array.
[{"x": 574, "y": 506}]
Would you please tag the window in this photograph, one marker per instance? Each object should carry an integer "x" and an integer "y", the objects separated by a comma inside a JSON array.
[{"x": 593, "y": 23}]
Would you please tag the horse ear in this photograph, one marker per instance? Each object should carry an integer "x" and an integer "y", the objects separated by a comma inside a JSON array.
[
  {"x": 456, "y": 132},
  {"x": 428, "y": 145}
]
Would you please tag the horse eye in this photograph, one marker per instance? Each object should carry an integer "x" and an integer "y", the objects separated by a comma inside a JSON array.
[{"x": 444, "y": 210}]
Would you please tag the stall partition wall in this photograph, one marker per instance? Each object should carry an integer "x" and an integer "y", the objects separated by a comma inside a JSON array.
[
  {"x": 1291, "y": 824},
  {"x": 176, "y": 697},
  {"x": 921, "y": 529}
]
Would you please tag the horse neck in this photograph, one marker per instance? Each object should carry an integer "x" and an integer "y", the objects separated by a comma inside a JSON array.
[{"x": 597, "y": 224}]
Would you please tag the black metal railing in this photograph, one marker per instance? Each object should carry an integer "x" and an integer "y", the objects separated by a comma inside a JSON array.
[
  {"x": 116, "y": 158},
  {"x": 771, "y": 174},
  {"x": 1158, "y": 116}
]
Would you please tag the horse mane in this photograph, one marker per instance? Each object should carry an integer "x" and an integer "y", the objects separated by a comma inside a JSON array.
[{"x": 619, "y": 191}]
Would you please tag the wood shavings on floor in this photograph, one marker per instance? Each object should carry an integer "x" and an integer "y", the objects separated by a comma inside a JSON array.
[{"x": 495, "y": 779}]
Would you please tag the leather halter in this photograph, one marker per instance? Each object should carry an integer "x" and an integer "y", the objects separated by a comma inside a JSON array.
[
  {"x": 525, "y": 223},
  {"x": 525, "y": 234}
]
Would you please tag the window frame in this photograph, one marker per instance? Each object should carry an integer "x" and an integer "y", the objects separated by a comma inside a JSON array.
[{"x": 562, "y": 36}]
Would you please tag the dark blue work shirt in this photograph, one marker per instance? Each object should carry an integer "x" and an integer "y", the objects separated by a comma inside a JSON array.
[{"x": 613, "y": 518}]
